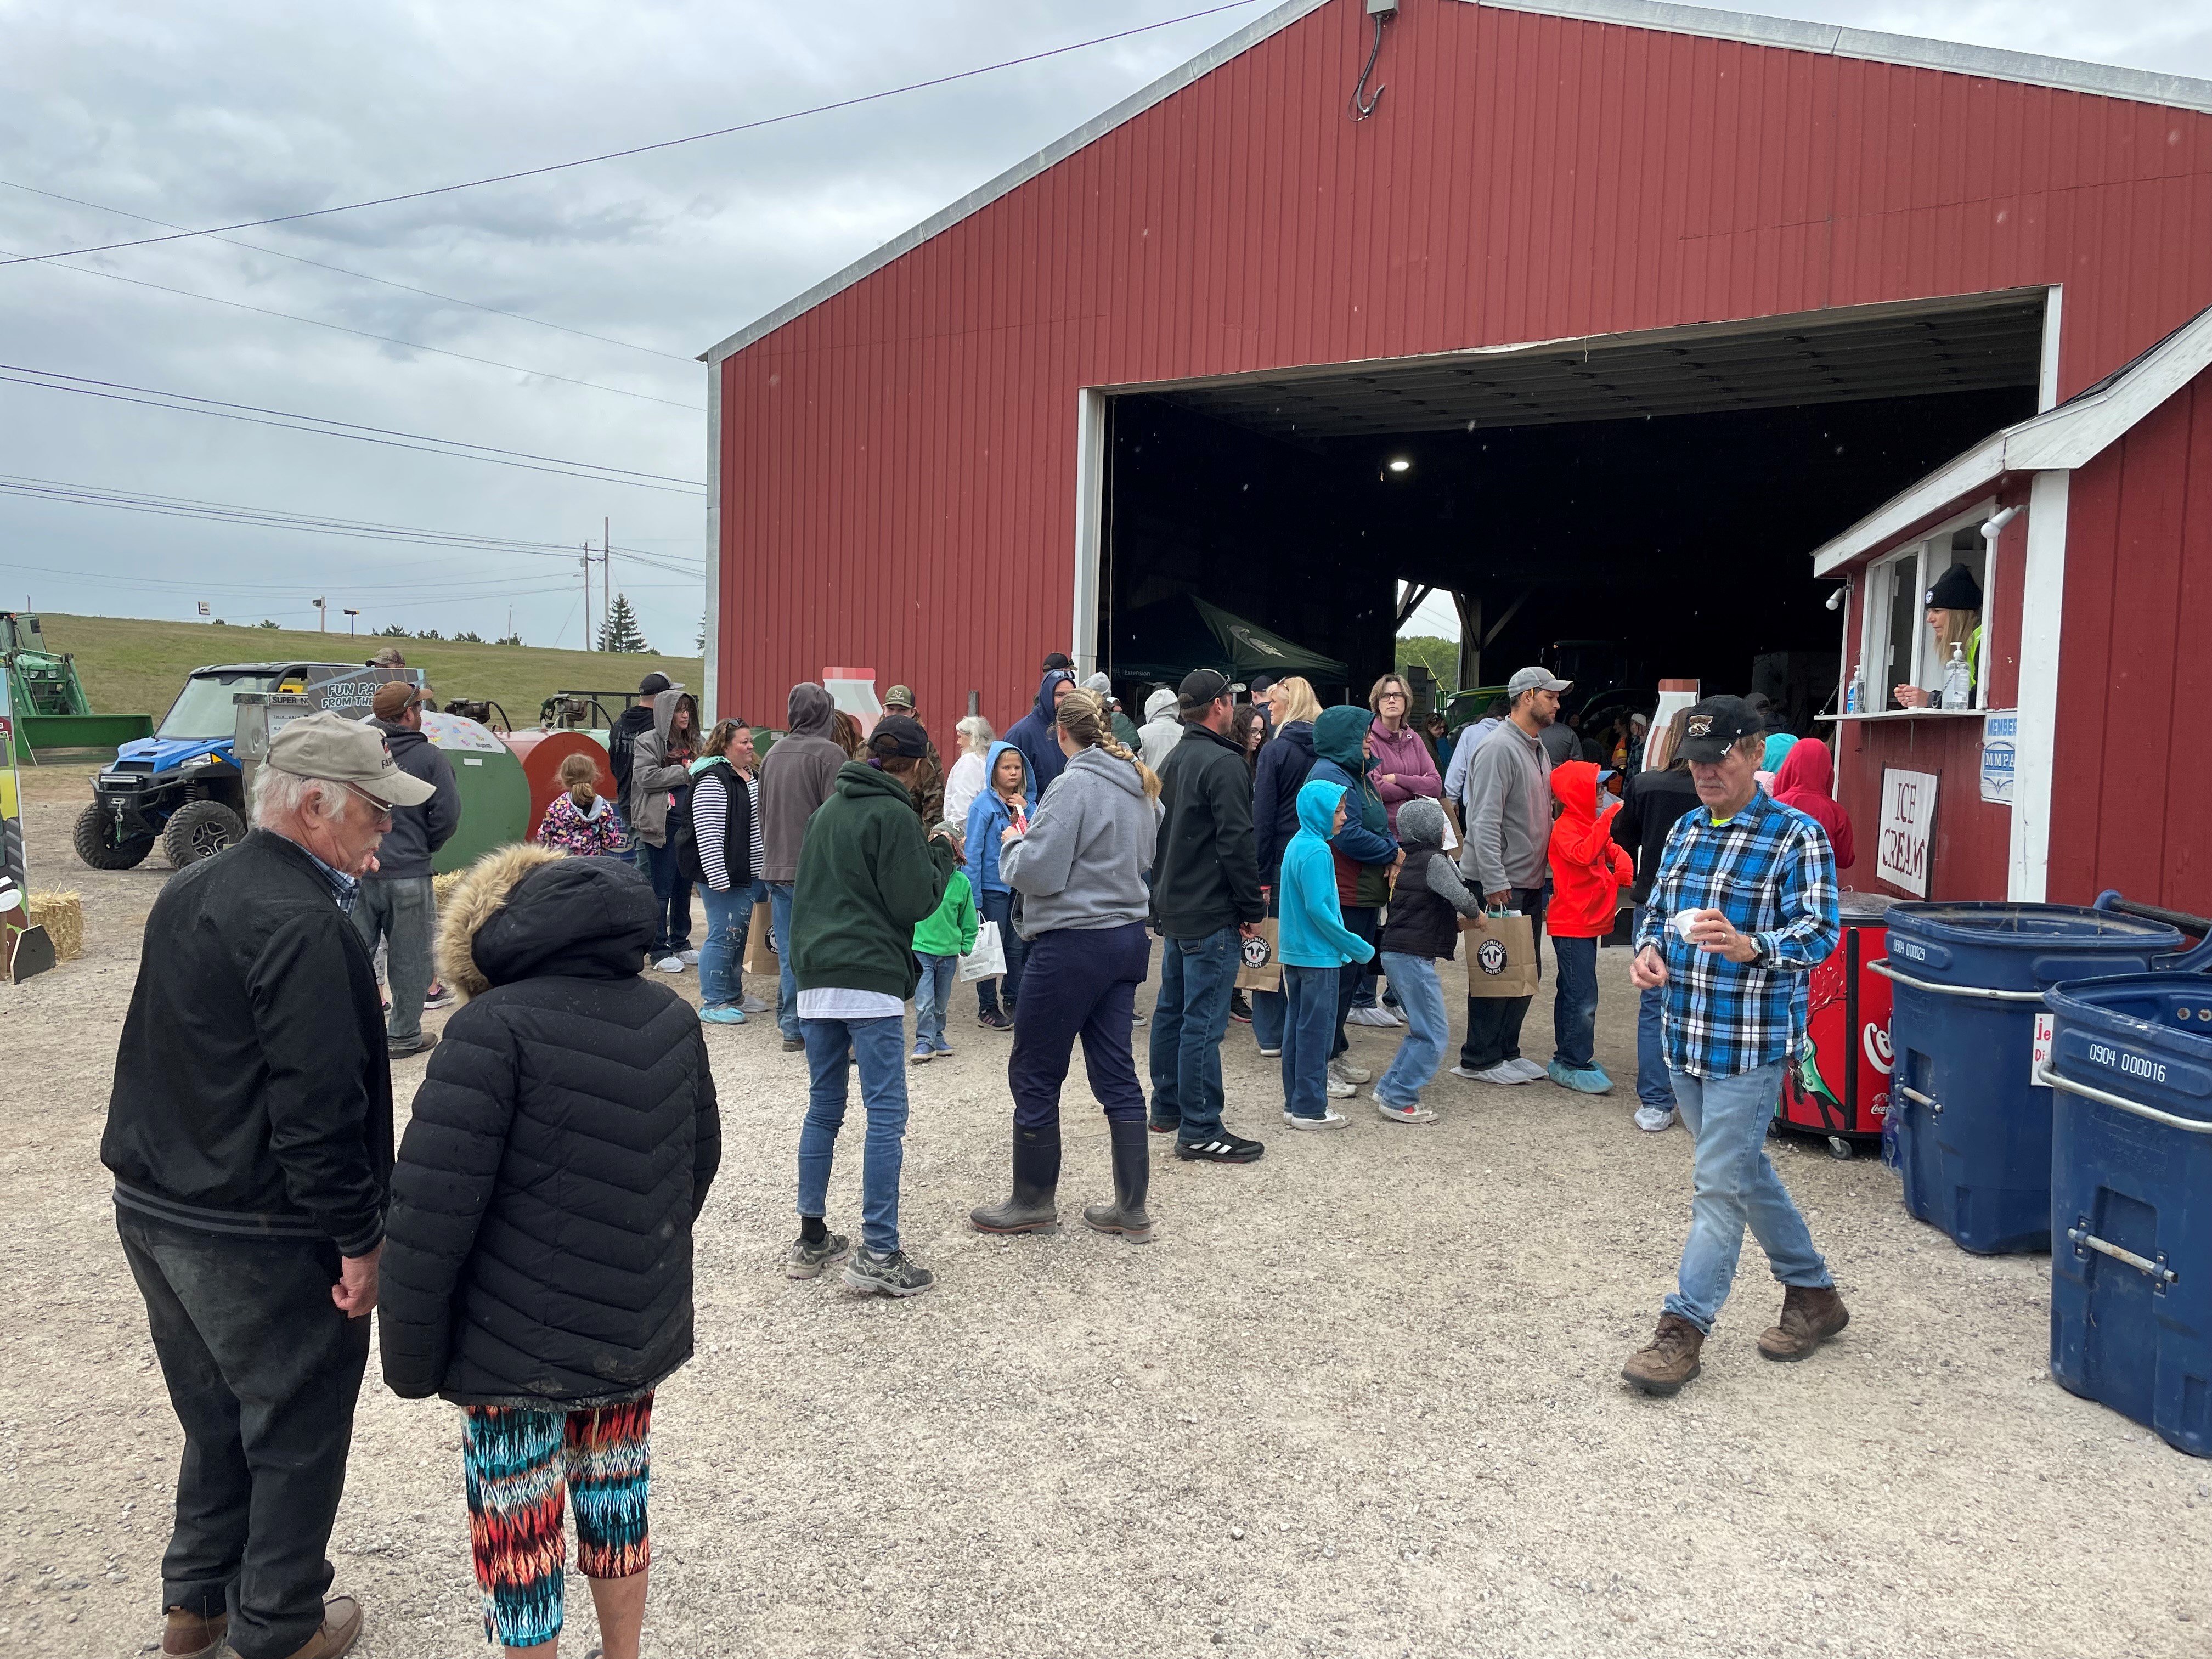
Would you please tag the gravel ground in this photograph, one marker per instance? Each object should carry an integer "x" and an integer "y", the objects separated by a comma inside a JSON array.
[{"x": 1361, "y": 1398}]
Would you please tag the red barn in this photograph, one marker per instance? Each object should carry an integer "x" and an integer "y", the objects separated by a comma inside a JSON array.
[{"x": 1605, "y": 316}]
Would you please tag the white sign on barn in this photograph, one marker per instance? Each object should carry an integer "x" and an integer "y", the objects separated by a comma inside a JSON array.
[{"x": 1908, "y": 820}]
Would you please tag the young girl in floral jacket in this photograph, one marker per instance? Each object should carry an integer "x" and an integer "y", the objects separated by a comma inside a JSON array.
[{"x": 582, "y": 822}]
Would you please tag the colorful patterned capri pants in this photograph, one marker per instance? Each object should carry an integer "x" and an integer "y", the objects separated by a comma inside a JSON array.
[{"x": 519, "y": 1465}]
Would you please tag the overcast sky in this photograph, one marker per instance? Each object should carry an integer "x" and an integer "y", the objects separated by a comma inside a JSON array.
[{"x": 216, "y": 111}]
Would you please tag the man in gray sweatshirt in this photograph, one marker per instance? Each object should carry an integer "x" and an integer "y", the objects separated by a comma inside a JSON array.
[
  {"x": 1080, "y": 869},
  {"x": 1507, "y": 859},
  {"x": 797, "y": 773}
]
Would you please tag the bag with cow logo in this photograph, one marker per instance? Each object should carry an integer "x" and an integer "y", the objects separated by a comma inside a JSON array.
[
  {"x": 1501, "y": 955},
  {"x": 1258, "y": 969}
]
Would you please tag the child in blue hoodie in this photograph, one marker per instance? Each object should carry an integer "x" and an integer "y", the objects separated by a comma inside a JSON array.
[
  {"x": 1008, "y": 797},
  {"x": 1312, "y": 942}
]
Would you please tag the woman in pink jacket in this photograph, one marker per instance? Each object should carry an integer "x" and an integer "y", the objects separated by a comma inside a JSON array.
[{"x": 1404, "y": 766}]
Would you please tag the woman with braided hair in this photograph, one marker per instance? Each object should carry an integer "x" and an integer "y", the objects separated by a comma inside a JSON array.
[{"x": 1080, "y": 869}]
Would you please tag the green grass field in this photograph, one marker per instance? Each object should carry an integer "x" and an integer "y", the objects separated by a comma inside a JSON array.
[{"x": 130, "y": 667}]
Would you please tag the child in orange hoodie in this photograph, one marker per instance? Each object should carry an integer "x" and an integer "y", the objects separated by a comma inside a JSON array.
[{"x": 1588, "y": 873}]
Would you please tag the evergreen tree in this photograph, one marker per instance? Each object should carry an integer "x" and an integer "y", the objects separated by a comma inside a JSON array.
[{"x": 620, "y": 631}]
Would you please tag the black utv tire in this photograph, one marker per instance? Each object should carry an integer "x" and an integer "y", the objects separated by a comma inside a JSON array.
[
  {"x": 199, "y": 829},
  {"x": 94, "y": 836}
]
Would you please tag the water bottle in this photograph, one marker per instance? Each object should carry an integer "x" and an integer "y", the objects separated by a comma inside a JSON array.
[
  {"x": 1855, "y": 698},
  {"x": 1958, "y": 679}
]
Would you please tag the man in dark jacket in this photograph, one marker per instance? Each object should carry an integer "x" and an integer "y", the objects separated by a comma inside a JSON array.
[
  {"x": 633, "y": 723},
  {"x": 250, "y": 1135},
  {"x": 1037, "y": 734},
  {"x": 396, "y": 903},
  {"x": 798, "y": 775},
  {"x": 866, "y": 878},
  {"x": 1205, "y": 901}
]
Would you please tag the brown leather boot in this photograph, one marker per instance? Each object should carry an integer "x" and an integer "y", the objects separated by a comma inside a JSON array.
[
  {"x": 1810, "y": 1315},
  {"x": 193, "y": 1635},
  {"x": 341, "y": 1629},
  {"x": 1668, "y": 1360}
]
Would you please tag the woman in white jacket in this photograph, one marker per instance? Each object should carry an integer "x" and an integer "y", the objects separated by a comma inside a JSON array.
[
  {"x": 965, "y": 780},
  {"x": 1080, "y": 870}
]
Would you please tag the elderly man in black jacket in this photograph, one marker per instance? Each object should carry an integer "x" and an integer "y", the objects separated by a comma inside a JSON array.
[
  {"x": 397, "y": 904},
  {"x": 1206, "y": 902},
  {"x": 250, "y": 1135}
]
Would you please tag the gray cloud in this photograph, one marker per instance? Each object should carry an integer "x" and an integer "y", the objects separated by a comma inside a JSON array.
[{"x": 223, "y": 111}]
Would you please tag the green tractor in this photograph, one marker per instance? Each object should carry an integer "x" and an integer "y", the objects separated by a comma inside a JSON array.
[{"x": 51, "y": 711}]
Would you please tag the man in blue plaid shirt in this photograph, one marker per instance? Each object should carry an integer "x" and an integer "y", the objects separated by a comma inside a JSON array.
[{"x": 1743, "y": 908}]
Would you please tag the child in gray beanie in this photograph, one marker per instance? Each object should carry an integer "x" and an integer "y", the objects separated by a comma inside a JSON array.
[{"x": 1426, "y": 907}]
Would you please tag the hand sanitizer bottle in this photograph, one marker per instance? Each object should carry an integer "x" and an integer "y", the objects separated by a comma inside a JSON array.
[
  {"x": 1958, "y": 679},
  {"x": 1855, "y": 697}
]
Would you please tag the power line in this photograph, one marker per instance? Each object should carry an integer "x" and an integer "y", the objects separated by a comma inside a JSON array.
[
  {"x": 362, "y": 333},
  {"x": 640, "y": 149},
  {"x": 455, "y": 448},
  {"x": 343, "y": 271}
]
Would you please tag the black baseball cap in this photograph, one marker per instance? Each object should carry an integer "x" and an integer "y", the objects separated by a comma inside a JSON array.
[
  {"x": 1202, "y": 687},
  {"x": 1716, "y": 725},
  {"x": 898, "y": 735},
  {"x": 653, "y": 685}
]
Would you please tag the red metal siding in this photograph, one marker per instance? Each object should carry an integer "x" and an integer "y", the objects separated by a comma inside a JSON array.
[
  {"x": 2133, "y": 798},
  {"x": 898, "y": 465},
  {"x": 1970, "y": 850}
]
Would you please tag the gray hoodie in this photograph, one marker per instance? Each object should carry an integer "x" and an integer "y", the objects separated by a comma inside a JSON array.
[
  {"x": 799, "y": 772},
  {"x": 1162, "y": 730},
  {"x": 1081, "y": 867}
]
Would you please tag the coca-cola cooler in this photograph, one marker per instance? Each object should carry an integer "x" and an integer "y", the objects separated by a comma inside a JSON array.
[{"x": 1839, "y": 1086}]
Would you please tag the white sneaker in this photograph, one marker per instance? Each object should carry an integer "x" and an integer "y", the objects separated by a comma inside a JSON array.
[
  {"x": 753, "y": 1005},
  {"x": 670, "y": 964},
  {"x": 1330, "y": 1118},
  {"x": 690, "y": 958},
  {"x": 1405, "y": 1113},
  {"x": 1343, "y": 1071},
  {"x": 1341, "y": 1090},
  {"x": 1654, "y": 1120},
  {"x": 1271, "y": 1053},
  {"x": 1378, "y": 1015},
  {"x": 1529, "y": 1070}
]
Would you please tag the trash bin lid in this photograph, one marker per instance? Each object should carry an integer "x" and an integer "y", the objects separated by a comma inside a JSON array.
[
  {"x": 2023, "y": 947},
  {"x": 2147, "y": 1036}
]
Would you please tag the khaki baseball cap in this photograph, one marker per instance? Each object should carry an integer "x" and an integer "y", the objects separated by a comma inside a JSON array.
[{"x": 327, "y": 746}]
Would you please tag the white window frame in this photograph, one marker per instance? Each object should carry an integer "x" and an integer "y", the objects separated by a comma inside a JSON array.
[{"x": 1878, "y": 591}]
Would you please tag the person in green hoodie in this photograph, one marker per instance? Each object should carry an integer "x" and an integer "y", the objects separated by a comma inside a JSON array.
[
  {"x": 866, "y": 878},
  {"x": 938, "y": 944}
]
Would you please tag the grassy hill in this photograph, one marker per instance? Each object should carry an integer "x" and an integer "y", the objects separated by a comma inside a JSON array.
[{"x": 130, "y": 666}]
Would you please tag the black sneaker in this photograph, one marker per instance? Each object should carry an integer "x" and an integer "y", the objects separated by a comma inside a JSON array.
[
  {"x": 992, "y": 1020},
  {"x": 399, "y": 1049},
  {"x": 1222, "y": 1147},
  {"x": 439, "y": 996},
  {"x": 1239, "y": 1009},
  {"x": 805, "y": 1260},
  {"x": 792, "y": 1045},
  {"x": 892, "y": 1274}
]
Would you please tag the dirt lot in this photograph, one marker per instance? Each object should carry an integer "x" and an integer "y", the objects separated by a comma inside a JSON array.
[{"x": 1360, "y": 1398}]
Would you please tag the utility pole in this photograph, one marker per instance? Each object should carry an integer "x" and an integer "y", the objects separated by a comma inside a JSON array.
[
  {"x": 587, "y": 596},
  {"x": 322, "y": 616},
  {"x": 606, "y": 566}
]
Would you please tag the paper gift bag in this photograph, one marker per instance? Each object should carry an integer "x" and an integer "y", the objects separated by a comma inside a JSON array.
[
  {"x": 1257, "y": 966},
  {"x": 760, "y": 954},
  {"x": 1501, "y": 955}
]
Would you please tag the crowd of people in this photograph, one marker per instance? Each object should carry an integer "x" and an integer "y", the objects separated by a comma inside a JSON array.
[{"x": 529, "y": 1241}]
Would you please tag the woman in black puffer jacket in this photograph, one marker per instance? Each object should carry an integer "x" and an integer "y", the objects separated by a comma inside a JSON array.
[{"x": 537, "y": 1265}]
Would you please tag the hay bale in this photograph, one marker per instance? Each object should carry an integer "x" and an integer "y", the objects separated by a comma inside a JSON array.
[{"x": 62, "y": 914}]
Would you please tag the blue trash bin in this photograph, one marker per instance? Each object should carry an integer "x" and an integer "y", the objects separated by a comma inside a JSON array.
[
  {"x": 2130, "y": 1072},
  {"x": 1973, "y": 1129}
]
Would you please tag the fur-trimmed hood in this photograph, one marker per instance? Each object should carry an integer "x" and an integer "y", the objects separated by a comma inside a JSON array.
[{"x": 524, "y": 912}]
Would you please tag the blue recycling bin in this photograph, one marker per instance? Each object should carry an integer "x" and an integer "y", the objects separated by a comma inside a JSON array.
[
  {"x": 1972, "y": 1126},
  {"x": 2130, "y": 1072}
]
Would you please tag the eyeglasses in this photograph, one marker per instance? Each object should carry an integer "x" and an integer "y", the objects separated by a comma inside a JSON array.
[
  {"x": 1392, "y": 697},
  {"x": 381, "y": 809}
]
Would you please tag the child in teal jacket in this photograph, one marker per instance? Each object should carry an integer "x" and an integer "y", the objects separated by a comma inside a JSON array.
[
  {"x": 1312, "y": 942},
  {"x": 940, "y": 939}
]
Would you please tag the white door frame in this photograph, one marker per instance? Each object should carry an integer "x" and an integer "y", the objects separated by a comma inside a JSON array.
[
  {"x": 709, "y": 694},
  {"x": 1089, "y": 520}
]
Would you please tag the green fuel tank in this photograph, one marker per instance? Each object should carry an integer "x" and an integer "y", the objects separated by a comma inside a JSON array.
[{"x": 495, "y": 793}]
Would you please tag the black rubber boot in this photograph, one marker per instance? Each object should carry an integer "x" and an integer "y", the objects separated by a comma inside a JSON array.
[
  {"x": 1036, "y": 1178},
  {"x": 1133, "y": 1177}
]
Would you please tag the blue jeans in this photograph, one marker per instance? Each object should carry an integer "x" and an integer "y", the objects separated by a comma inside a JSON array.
[
  {"x": 1428, "y": 1030},
  {"x": 1309, "y": 1026},
  {"x": 1574, "y": 1004},
  {"x": 933, "y": 998},
  {"x": 786, "y": 990},
  {"x": 403, "y": 911},
  {"x": 1737, "y": 1187},
  {"x": 880, "y": 1046},
  {"x": 1652, "y": 1088},
  {"x": 1188, "y": 1017},
  {"x": 729, "y": 917},
  {"x": 999, "y": 908},
  {"x": 671, "y": 921},
  {"x": 1268, "y": 1008}
]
